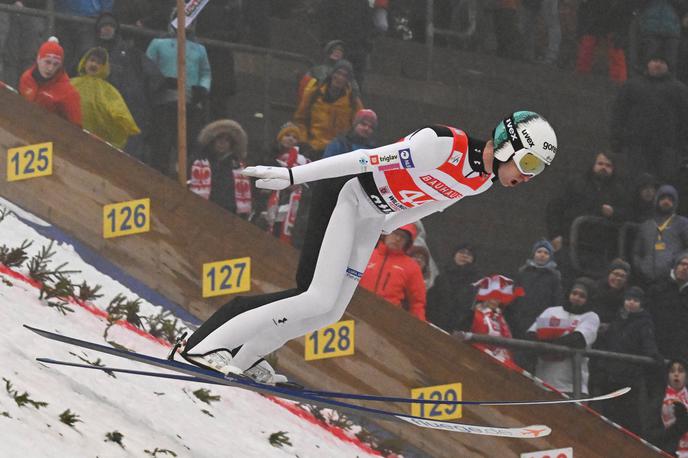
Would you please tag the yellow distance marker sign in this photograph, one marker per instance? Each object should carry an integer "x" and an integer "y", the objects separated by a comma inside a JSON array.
[
  {"x": 226, "y": 277},
  {"x": 30, "y": 161},
  {"x": 126, "y": 218},
  {"x": 450, "y": 392},
  {"x": 331, "y": 341}
]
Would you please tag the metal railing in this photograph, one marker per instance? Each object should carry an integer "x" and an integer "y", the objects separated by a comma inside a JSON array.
[
  {"x": 268, "y": 53},
  {"x": 577, "y": 354}
]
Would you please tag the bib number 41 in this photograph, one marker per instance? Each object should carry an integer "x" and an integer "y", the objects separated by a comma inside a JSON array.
[{"x": 413, "y": 198}]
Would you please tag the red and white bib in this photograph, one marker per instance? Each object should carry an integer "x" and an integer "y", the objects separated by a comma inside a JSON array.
[{"x": 404, "y": 186}]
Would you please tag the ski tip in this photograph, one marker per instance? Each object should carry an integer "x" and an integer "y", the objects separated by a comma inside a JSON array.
[{"x": 620, "y": 392}]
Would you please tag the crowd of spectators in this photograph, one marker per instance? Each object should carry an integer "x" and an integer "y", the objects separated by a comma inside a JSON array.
[{"x": 611, "y": 271}]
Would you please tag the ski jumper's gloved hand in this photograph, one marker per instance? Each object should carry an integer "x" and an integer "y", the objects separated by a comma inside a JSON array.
[{"x": 275, "y": 178}]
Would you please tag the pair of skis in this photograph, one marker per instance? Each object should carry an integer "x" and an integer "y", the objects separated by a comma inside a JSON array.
[{"x": 190, "y": 373}]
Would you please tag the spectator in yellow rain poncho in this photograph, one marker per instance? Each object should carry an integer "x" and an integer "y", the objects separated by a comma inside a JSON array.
[{"x": 103, "y": 109}]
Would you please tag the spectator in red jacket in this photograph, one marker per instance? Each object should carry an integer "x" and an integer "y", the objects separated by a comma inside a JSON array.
[
  {"x": 394, "y": 275},
  {"x": 47, "y": 84}
]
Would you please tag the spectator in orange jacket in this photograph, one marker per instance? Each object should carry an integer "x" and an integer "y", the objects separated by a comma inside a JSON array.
[
  {"x": 394, "y": 275},
  {"x": 47, "y": 84}
]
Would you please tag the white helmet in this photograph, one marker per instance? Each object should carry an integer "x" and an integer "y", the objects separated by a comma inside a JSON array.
[{"x": 524, "y": 131}]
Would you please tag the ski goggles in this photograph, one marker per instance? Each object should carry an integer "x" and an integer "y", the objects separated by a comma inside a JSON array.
[{"x": 526, "y": 161}]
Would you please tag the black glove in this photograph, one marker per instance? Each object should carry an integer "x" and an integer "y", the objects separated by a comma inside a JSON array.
[
  {"x": 680, "y": 411},
  {"x": 199, "y": 96}
]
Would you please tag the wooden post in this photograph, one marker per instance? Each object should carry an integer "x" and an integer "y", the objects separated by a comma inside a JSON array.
[{"x": 181, "y": 92}]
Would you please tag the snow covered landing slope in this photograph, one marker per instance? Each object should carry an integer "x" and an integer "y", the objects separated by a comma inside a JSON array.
[{"x": 68, "y": 412}]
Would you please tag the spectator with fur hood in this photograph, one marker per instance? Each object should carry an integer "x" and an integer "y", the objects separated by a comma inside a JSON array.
[{"x": 215, "y": 168}]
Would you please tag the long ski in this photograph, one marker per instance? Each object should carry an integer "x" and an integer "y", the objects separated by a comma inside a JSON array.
[
  {"x": 342, "y": 395},
  {"x": 532, "y": 431}
]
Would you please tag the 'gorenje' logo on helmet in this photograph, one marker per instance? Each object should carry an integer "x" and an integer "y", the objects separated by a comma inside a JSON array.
[
  {"x": 510, "y": 129},
  {"x": 530, "y": 141},
  {"x": 550, "y": 147}
]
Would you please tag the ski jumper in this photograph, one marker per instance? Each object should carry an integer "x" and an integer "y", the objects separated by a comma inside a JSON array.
[{"x": 393, "y": 185}]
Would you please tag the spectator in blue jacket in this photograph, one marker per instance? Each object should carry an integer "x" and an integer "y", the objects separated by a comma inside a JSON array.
[
  {"x": 359, "y": 137},
  {"x": 77, "y": 38},
  {"x": 163, "y": 52}
]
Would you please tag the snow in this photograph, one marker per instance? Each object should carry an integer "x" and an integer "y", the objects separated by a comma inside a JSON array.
[{"x": 150, "y": 413}]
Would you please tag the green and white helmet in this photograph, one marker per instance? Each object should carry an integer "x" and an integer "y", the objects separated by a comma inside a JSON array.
[{"x": 522, "y": 134}]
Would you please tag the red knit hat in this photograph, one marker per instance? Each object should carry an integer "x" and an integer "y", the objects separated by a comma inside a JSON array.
[
  {"x": 366, "y": 114},
  {"x": 51, "y": 48},
  {"x": 497, "y": 287}
]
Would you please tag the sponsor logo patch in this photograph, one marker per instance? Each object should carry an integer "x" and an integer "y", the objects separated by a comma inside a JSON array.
[
  {"x": 353, "y": 274},
  {"x": 390, "y": 158},
  {"x": 406, "y": 159},
  {"x": 440, "y": 187},
  {"x": 530, "y": 141},
  {"x": 455, "y": 158},
  {"x": 393, "y": 200},
  {"x": 549, "y": 147},
  {"x": 510, "y": 130},
  {"x": 384, "y": 190},
  {"x": 374, "y": 159},
  {"x": 383, "y": 168},
  {"x": 384, "y": 208}
]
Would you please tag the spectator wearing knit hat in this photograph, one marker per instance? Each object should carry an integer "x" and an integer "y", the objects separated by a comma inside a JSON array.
[
  {"x": 633, "y": 332},
  {"x": 359, "y": 137},
  {"x": 451, "y": 297},
  {"x": 394, "y": 275},
  {"x": 572, "y": 324},
  {"x": 668, "y": 305},
  {"x": 541, "y": 282},
  {"x": 328, "y": 108},
  {"x": 46, "y": 83},
  {"x": 333, "y": 51},
  {"x": 280, "y": 212},
  {"x": 610, "y": 292},
  {"x": 660, "y": 238}
]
